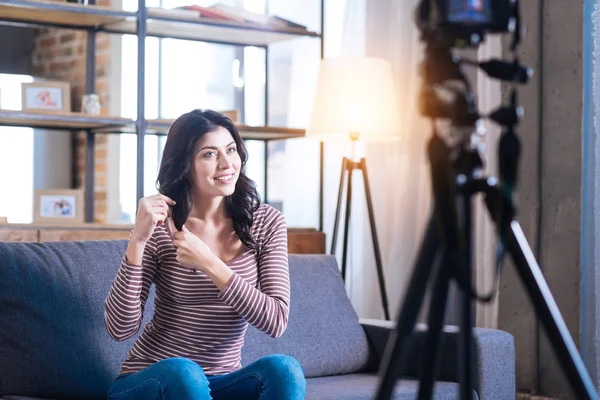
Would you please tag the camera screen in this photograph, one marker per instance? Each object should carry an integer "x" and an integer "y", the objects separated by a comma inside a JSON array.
[{"x": 469, "y": 12}]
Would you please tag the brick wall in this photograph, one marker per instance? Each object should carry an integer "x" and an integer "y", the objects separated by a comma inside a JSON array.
[{"x": 61, "y": 54}]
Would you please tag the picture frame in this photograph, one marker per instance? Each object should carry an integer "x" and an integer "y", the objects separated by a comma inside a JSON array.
[
  {"x": 46, "y": 96},
  {"x": 59, "y": 206}
]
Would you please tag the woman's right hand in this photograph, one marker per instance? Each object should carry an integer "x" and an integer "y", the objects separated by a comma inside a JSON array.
[{"x": 152, "y": 211}]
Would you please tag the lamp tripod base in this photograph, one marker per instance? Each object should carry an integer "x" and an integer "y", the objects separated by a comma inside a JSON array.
[{"x": 348, "y": 166}]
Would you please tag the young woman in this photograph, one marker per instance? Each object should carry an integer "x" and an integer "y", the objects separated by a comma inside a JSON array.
[{"x": 218, "y": 260}]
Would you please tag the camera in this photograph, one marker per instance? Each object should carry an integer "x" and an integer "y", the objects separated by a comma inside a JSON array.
[
  {"x": 448, "y": 24},
  {"x": 464, "y": 23}
]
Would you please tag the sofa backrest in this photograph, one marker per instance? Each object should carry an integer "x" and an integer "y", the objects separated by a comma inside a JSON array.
[
  {"x": 323, "y": 331},
  {"x": 53, "y": 342}
]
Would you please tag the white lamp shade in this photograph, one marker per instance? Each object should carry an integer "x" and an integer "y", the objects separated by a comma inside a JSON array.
[{"x": 355, "y": 95}]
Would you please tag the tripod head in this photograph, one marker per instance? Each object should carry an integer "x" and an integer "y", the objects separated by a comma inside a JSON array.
[{"x": 446, "y": 93}]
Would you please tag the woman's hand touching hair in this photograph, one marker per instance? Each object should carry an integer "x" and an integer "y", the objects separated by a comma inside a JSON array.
[
  {"x": 152, "y": 211},
  {"x": 192, "y": 251}
]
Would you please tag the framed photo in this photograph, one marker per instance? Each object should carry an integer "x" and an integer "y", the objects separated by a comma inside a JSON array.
[
  {"x": 46, "y": 96},
  {"x": 59, "y": 206}
]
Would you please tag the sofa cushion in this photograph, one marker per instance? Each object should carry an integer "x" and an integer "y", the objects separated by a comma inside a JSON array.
[
  {"x": 323, "y": 331},
  {"x": 53, "y": 342},
  {"x": 364, "y": 387}
]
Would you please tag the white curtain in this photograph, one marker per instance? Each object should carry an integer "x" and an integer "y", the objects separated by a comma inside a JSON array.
[{"x": 399, "y": 172}]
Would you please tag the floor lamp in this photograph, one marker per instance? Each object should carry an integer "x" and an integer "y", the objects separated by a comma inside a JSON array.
[{"x": 355, "y": 100}]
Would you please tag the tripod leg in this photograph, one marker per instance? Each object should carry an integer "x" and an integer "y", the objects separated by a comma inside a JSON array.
[
  {"x": 435, "y": 324},
  {"x": 546, "y": 308},
  {"x": 465, "y": 367},
  {"x": 347, "y": 219},
  {"x": 337, "y": 209},
  {"x": 378, "y": 263},
  {"x": 544, "y": 304},
  {"x": 392, "y": 364}
]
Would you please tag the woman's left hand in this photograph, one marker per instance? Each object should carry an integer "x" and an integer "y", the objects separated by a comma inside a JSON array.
[{"x": 192, "y": 251}]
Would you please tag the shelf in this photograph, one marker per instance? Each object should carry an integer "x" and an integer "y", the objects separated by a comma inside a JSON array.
[
  {"x": 61, "y": 121},
  {"x": 161, "y": 127},
  {"x": 209, "y": 30},
  {"x": 159, "y": 23},
  {"x": 45, "y": 12},
  {"x": 125, "y": 125},
  {"x": 268, "y": 132}
]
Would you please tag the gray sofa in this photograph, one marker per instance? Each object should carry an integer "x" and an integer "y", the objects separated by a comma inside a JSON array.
[{"x": 53, "y": 343}]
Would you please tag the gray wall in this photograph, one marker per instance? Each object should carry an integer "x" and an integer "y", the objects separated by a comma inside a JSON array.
[{"x": 551, "y": 139}]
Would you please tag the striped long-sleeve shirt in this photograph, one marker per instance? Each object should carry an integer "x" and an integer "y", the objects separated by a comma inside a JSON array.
[{"x": 192, "y": 317}]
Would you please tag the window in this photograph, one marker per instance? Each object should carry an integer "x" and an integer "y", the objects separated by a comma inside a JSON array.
[
  {"x": 16, "y": 177},
  {"x": 183, "y": 75}
]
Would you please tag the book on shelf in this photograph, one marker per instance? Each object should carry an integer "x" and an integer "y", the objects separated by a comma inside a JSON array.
[
  {"x": 212, "y": 13},
  {"x": 257, "y": 18},
  {"x": 224, "y": 12}
]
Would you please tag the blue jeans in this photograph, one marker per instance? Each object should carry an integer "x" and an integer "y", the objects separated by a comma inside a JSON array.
[{"x": 275, "y": 377}]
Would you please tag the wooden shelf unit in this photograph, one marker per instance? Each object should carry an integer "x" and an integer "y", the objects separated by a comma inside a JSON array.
[{"x": 143, "y": 23}]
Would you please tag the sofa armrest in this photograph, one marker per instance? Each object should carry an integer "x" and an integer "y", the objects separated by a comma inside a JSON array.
[{"x": 495, "y": 355}]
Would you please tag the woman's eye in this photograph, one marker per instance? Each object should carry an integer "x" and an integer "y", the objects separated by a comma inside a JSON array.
[
  {"x": 231, "y": 150},
  {"x": 209, "y": 154}
]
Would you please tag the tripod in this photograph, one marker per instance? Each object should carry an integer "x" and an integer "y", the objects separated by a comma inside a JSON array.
[
  {"x": 445, "y": 254},
  {"x": 347, "y": 167}
]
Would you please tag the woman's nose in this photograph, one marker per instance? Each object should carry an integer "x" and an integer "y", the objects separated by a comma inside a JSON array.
[{"x": 224, "y": 162}]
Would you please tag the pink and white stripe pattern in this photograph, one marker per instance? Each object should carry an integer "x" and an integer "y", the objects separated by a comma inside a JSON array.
[{"x": 192, "y": 317}]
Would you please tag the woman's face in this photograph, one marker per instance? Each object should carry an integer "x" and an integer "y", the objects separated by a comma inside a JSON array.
[{"x": 217, "y": 164}]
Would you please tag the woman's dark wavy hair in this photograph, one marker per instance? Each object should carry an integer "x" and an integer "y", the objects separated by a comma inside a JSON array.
[{"x": 177, "y": 162}]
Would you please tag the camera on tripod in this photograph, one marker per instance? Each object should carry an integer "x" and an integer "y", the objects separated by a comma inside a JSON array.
[
  {"x": 446, "y": 249},
  {"x": 448, "y": 24},
  {"x": 465, "y": 22}
]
